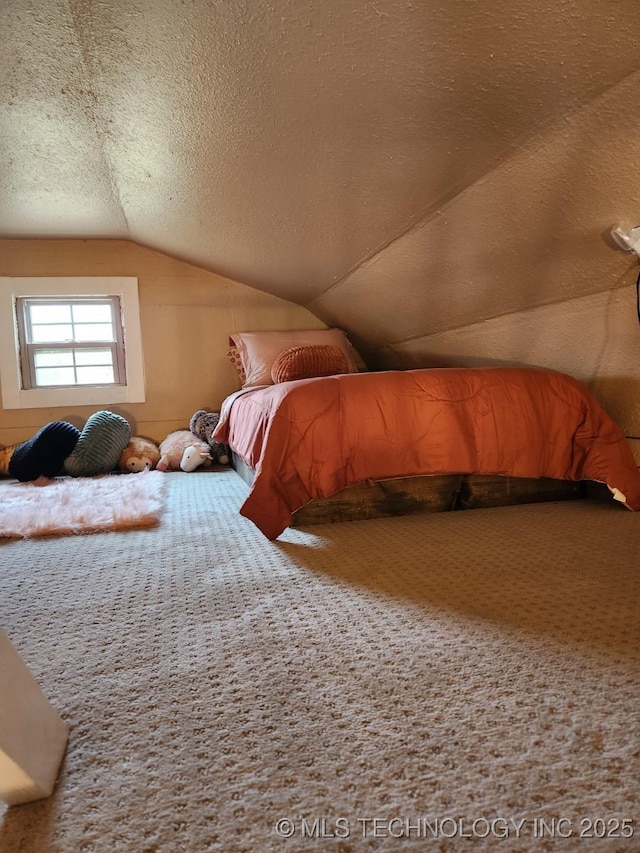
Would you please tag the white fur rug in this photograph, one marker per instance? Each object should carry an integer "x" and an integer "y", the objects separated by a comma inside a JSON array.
[{"x": 83, "y": 505}]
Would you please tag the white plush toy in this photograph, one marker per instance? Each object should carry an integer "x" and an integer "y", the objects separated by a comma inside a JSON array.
[{"x": 182, "y": 450}]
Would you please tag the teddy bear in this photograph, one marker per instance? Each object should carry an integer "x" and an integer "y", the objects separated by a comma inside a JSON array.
[
  {"x": 202, "y": 425},
  {"x": 140, "y": 454},
  {"x": 182, "y": 450}
]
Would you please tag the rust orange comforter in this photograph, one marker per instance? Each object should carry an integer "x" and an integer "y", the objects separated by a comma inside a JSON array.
[{"x": 312, "y": 437}]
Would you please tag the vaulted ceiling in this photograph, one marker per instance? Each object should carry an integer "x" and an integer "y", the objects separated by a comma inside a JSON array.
[{"x": 404, "y": 168}]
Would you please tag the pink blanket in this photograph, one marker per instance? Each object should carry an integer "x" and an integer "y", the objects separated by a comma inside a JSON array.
[{"x": 312, "y": 437}]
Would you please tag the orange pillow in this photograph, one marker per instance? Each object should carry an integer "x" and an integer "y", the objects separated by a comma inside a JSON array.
[
  {"x": 258, "y": 350},
  {"x": 307, "y": 362}
]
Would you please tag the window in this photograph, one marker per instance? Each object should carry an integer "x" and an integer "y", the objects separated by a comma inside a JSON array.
[
  {"x": 66, "y": 341},
  {"x": 70, "y": 342}
]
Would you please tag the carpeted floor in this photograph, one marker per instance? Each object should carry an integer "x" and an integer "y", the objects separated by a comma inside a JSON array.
[{"x": 445, "y": 682}]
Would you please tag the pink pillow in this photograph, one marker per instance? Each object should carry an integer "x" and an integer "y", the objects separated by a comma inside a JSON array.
[
  {"x": 234, "y": 357},
  {"x": 259, "y": 350},
  {"x": 307, "y": 362}
]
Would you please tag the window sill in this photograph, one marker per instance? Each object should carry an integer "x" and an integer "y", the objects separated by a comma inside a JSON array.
[{"x": 50, "y": 398}]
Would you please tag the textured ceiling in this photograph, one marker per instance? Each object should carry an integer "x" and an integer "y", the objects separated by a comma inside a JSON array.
[{"x": 325, "y": 152}]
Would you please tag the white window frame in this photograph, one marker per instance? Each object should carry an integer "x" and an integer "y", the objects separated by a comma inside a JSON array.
[
  {"x": 30, "y": 348},
  {"x": 16, "y": 397}
]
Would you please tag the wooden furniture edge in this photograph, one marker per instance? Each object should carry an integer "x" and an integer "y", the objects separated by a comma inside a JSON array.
[{"x": 434, "y": 493}]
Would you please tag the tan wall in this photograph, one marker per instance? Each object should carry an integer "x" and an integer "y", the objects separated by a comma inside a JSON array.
[{"x": 186, "y": 315}]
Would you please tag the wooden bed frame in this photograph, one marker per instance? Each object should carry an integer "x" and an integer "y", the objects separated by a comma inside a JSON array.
[{"x": 411, "y": 495}]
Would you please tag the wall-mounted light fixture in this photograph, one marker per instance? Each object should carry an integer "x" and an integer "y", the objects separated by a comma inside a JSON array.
[{"x": 627, "y": 238}]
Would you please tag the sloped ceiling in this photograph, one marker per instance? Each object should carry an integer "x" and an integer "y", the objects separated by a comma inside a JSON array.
[{"x": 401, "y": 167}]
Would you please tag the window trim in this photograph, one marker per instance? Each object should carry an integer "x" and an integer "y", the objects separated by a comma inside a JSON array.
[{"x": 16, "y": 397}]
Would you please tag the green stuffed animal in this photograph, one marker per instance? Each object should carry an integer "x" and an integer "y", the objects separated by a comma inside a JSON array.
[{"x": 60, "y": 448}]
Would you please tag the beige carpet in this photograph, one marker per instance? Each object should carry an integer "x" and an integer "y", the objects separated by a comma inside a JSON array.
[{"x": 453, "y": 675}]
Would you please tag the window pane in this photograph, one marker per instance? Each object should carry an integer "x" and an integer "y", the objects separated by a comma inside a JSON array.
[
  {"x": 95, "y": 375},
  {"x": 48, "y": 334},
  {"x": 94, "y": 332},
  {"x": 55, "y": 376},
  {"x": 52, "y": 313},
  {"x": 73, "y": 341},
  {"x": 53, "y": 358},
  {"x": 94, "y": 356},
  {"x": 98, "y": 313}
]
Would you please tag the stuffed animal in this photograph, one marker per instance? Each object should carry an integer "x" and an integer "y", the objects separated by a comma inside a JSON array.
[
  {"x": 141, "y": 454},
  {"x": 102, "y": 440},
  {"x": 202, "y": 425},
  {"x": 182, "y": 450},
  {"x": 40, "y": 456},
  {"x": 61, "y": 448}
]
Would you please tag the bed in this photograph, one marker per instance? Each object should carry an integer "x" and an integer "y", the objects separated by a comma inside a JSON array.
[{"x": 300, "y": 440}]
